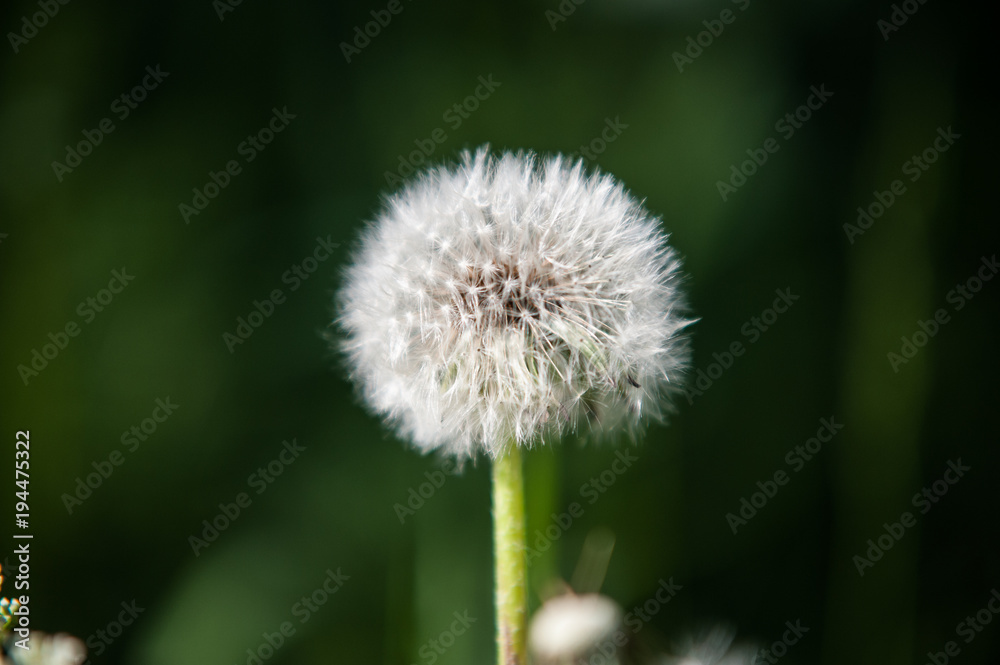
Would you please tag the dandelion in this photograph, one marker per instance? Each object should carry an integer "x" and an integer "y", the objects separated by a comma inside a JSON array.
[{"x": 507, "y": 301}]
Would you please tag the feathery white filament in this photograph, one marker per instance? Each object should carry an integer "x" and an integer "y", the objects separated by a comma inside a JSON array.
[{"x": 507, "y": 299}]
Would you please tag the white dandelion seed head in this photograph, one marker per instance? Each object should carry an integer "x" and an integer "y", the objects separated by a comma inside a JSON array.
[{"x": 509, "y": 299}]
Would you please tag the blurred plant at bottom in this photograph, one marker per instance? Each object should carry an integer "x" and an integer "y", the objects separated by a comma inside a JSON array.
[
  {"x": 38, "y": 648},
  {"x": 44, "y": 649},
  {"x": 576, "y": 625}
]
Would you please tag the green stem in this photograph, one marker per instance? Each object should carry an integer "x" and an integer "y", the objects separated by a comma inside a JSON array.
[{"x": 509, "y": 556}]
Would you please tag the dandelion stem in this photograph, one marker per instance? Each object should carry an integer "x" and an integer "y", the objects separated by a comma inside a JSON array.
[{"x": 509, "y": 557}]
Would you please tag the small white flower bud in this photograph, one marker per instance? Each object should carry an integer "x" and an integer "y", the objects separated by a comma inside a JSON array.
[{"x": 568, "y": 628}]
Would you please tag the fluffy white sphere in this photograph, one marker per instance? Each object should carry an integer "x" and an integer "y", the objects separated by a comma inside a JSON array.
[
  {"x": 509, "y": 299},
  {"x": 569, "y": 627}
]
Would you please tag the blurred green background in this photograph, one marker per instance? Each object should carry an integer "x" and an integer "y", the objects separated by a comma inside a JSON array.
[{"x": 560, "y": 84}]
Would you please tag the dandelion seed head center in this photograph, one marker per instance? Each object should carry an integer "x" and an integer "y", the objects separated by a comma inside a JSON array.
[{"x": 499, "y": 295}]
